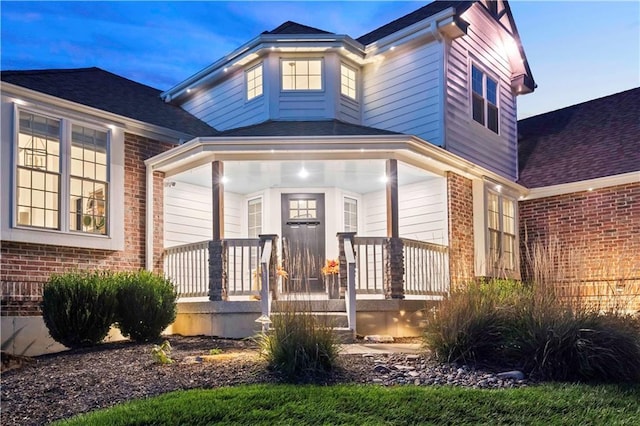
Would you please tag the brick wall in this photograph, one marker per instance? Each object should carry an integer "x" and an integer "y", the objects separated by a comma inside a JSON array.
[
  {"x": 24, "y": 266},
  {"x": 461, "y": 242},
  {"x": 593, "y": 235}
]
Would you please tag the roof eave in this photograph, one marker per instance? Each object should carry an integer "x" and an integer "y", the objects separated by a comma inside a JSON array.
[
  {"x": 23, "y": 97},
  {"x": 254, "y": 49}
]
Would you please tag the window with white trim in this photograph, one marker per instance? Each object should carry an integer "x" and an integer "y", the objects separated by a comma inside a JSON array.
[
  {"x": 43, "y": 175},
  {"x": 254, "y": 82},
  {"x": 350, "y": 214},
  {"x": 484, "y": 103},
  {"x": 501, "y": 223},
  {"x": 347, "y": 81},
  {"x": 254, "y": 211},
  {"x": 301, "y": 74}
]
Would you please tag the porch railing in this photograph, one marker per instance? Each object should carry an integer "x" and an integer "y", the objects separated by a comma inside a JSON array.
[
  {"x": 426, "y": 268},
  {"x": 188, "y": 267},
  {"x": 370, "y": 258},
  {"x": 243, "y": 260}
]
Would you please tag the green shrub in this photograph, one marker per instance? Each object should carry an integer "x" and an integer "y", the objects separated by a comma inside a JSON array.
[
  {"x": 298, "y": 345},
  {"x": 146, "y": 305},
  {"x": 79, "y": 307}
]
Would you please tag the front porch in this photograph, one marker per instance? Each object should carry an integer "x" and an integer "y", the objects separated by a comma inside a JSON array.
[{"x": 243, "y": 230}]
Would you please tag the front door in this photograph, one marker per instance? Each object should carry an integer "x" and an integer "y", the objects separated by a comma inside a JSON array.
[{"x": 303, "y": 242}]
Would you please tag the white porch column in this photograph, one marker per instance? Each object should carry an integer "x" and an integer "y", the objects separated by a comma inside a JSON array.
[{"x": 217, "y": 186}]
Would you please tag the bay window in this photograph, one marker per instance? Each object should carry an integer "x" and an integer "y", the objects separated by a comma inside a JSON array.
[{"x": 301, "y": 74}]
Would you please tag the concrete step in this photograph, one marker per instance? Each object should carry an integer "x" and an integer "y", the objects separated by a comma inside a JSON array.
[{"x": 331, "y": 319}]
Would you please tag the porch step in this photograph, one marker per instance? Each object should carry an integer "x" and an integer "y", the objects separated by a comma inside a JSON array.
[
  {"x": 333, "y": 319},
  {"x": 327, "y": 305}
]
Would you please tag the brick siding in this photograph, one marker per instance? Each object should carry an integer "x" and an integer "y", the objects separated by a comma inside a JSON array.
[
  {"x": 597, "y": 234},
  {"x": 461, "y": 242},
  {"x": 25, "y": 266}
]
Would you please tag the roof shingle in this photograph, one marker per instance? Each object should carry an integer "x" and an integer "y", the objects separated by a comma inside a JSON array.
[
  {"x": 103, "y": 90},
  {"x": 413, "y": 17},
  {"x": 291, "y": 27},
  {"x": 590, "y": 140},
  {"x": 306, "y": 128}
]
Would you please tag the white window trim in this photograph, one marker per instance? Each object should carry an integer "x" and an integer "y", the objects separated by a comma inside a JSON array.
[
  {"x": 356, "y": 79},
  {"x": 246, "y": 83},
  {"x": 322, "y": 76},
  {"x": 10, "y": 231},
  {"x": 483, "y": 268},
  {"x": 248, "y": 201},
  {"x": 474, "y": 63},
  {"x": 344, "y": 225}
]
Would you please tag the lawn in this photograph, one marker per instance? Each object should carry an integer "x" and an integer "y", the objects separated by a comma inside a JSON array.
[{"x": 361, "y": 405}]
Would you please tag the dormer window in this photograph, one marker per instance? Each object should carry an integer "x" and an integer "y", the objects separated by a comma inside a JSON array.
[
  {"x": 254, "y": 82},
  {"x": 301, "y": 74},
  {"x": 485, "y": 99},
  {"x": 347, "y": 81}
]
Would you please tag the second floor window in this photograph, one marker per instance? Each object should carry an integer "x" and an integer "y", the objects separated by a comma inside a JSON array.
[
  {"x": 484, "y": 99},
  {"x": 347, "y": 81},
  {"x": 302, "y": 74},
  {"x": 254, "y": 82}
]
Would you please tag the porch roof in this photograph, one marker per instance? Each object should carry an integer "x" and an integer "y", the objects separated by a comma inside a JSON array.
[{"x": 306, "y": 128}]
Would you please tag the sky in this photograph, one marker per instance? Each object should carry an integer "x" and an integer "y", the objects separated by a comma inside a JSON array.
[{"x": 577, "y": 51}]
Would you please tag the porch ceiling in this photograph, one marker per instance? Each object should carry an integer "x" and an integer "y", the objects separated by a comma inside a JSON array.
[{"x": 358, "y": 176}]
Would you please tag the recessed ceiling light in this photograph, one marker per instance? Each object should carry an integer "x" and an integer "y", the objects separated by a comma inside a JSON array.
[{"x": 303, "y": 173}]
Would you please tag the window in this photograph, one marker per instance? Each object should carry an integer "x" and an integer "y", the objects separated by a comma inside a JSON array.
[
  {"x": 347, "y": 81},
  {"x": 42, "y": 175},
  {"x": 302, "y": 74},
  {"x": 484, "y": 99},
  {"x": 501, "y": 223},
  {"x": 254, "y": 82},
  {"x": 350, "y": 215},
  {"x": 88, "y": 173},
  {"x": 254, "y": 209},
  {"x": 303, "y": 209},
  {"x": 38, "y": 172}
]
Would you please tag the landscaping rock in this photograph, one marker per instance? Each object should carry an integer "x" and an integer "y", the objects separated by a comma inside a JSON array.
[
  {"x": 513, "y": 375},
  {"x": 378, "y": 338}
]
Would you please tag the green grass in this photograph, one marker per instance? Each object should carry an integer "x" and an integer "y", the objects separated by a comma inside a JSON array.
[{"x": 373, "y": 405}]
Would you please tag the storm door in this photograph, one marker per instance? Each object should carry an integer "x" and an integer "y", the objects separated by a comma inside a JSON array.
[{"x": 303, "y": 248}]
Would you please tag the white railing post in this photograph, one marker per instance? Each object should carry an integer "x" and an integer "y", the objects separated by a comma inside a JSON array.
[
  {"x": 265, "y": 262},
  {"x": 350, "y": 298}
]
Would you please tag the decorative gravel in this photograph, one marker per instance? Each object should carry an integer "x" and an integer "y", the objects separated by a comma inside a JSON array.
[{"x": 61, "y": 385}]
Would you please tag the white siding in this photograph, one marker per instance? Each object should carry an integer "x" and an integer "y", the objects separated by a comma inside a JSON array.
[
  {"x": 224, "y": 106},
  {"x": 349, "y": 110},
  {"x": 187, "y": 214},
  {"x": 403, "y": 92},
  {"x": 465, "y": 137},
  {"x": 423, "y": 212}
]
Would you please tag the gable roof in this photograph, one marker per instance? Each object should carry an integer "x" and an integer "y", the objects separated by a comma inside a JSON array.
[
  {"x": 413, "y": 17},
  {"x": 103, "y": 90},
  {"x": 590, "y": 140},
  {"x": 291, "y": 27},
  {"x": 306, "y": 128}
]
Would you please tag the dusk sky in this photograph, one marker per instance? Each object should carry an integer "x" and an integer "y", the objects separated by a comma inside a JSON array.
[{"x": 577, "y": 50}]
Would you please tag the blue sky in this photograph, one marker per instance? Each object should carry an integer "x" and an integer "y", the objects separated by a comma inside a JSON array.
[{"x": 577, "y": 50}]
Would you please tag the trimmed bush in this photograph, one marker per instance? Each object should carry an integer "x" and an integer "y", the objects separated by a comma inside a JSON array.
[
  {"x": 298, "y": 345},
  {"x": 78, "y": 308},
  {"x": 146, "y": 305}
]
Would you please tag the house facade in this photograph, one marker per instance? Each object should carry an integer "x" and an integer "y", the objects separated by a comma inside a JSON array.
[{"x": 395, "y": 153}]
